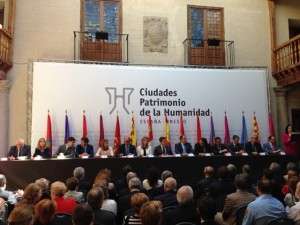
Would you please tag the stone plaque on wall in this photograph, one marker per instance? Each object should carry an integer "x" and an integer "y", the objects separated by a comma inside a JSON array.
[{"x": 155, "y": 34}]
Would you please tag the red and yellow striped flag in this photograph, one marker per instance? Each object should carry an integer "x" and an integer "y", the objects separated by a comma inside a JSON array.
[
  {"x": 255, "y": 126},
  {"x": 133, "y": 132},
  {"x": 167, "y": 131}
]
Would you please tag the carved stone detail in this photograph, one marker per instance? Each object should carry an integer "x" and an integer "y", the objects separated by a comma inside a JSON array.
[{"x": 155, "y": 34}]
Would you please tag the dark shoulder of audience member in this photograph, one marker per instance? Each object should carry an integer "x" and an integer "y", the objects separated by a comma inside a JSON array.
[
  {"x": 275, "y": 186},
  {"x": 122, "y": 183},
  {"x": 84, "y": 184},
  {"x": 206, "y": 208},
  {"x": 82, "y": 215}
]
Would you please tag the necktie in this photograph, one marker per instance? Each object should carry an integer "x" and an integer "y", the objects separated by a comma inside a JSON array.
[
  {"x": 126, "y": 150},
  {"x": 164, "y": 150},
  {"x": 84, "y": 149},
  {"x": 19, "y": 152},
  {"x": 145, "y": 152},
  {"x": 184, "y": 150}
]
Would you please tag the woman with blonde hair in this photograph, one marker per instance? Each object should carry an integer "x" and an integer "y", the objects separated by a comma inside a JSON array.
[
  {"x": 44, "y": 212},
  {"x": 145, "y": 149},
  {"x": 42, "y": 150},
  {"x": 105, "y": 149}
]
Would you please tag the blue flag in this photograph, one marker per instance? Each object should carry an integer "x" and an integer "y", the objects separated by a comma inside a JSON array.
[
  {"x": 67, "y": 130},
  {"x": 212, "y": 131},
  {"x": 244, "y": 137}
]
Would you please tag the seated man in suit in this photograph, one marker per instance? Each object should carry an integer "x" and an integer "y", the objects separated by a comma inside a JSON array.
[
  {"x": 203, "y": 185},
  {"x": 163, "y": 148},
  {"x": 272, "y": 147},
  {"x": 202, "y": 147},
  {"x": 20, "y": 149},
  {"x": 207, "y": 210},
  {"x": 218, "y": 148},
  {"x": 183, "y": 147},
  {"x": 127, "y": 148},
  {"x": 235, "y": 147},
  {"x": 68, "y": 150},
  {"x": 168, "y": 198},
  {"x": 253, "y": 147},
  {"x": 84, "y": 149}
]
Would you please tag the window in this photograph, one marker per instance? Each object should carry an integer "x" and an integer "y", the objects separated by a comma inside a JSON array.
[{"x": 205, "y": 29}]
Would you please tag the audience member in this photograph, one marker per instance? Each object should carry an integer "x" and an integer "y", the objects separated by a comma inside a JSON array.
[
  {"x": 8, "y": 196},
  {"x": 20, "y": 149},
  {"x": 44, "y": 212},
  {"x": 21, "y": 215},
  {"x": 32, "y": 195},
  {"x": 105, "y": 174},
  {"x": 291, "y": 166},
  {"x": 231, "y": 171},
  {"x": 263, "y": 206},
  {"x": 234, "y": 201},
  {"x": 151, "y": 213},
  {"x": 202, "y": 147},
  {"x": 160, "y": 190},
  {"x": 293, "y": 211},
  {"x": 127, "y": 148},
  {"x": 144, "y": 149},
  {"x": 58, "y": 189},
  {"x": 122, "y": 183},
  {"x": 84, "y": 149},
  {"x": 133, "y": 217},
  {"x": 290, "y": 198},
  {"x": 183, "y": 147},
  {"x": 169, "y": 199},
  {"x": 44, "y": 185},
  {"x": 253, "y": 147},
  {"x": 152, "y": 179},
  {"x": 162, "y": 149},
  {"x": 186, "y": 211},
  {"x": 202, "y": 186},
  {"x": 218, "y": 148},
  {"x": 126, "y": 191},
  {"x": 66, "y": 150},
  {"x": 82, "y": 215},
  {"x": 79, "y": 173},
  {"x": 72, "y": 184},
  {"x": 276, "y": 182},
  {"x": 206, "y": 208},
  {"x": 105, "y": 149},
  {"x": 236, "y": 148},
  {"x": 95, "y": 199},
  {"x": 42, "y": 150}
]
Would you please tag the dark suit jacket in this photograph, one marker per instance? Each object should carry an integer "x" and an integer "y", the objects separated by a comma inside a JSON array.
[
  {"x": 179, "y": 149},
  {"x": 268, "y": 148},
  {"x": 168, "y": 199},
  {"x": 68, "y": 153},
  {"x": 235, "y": 148},
  {"x": 216, "y": 149},
  {"x": 202, "y": 186},
  {"x": 104, "y": 217},
  {"x": 201, "y": 149},
  {"x": 221, "y": 187},
  {"x": 122, "y": 150},
  {"x": 124, "y": 204},
  {"x": 25, "y": 151},
  {"x": 89, "y": 150},
  {"x": 158, "y": 150},
  {"x": 182, "y": 214},
  {"x": 85, "y": 185},
  {"x": 249, "y": 148},
  {"x": 45, "y": 154}
]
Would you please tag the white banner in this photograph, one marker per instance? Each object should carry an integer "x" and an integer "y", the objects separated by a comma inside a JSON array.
[{"x": 142, "y": 90}]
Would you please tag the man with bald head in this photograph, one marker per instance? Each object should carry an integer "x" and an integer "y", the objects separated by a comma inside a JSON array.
[
  {"x": 20, "y": 149},
  {"x": 127, "y": 148},
  {"x": 186, "y": 212},
  {"x": 169, "y": 199},
  {"x": 202, "y": 185}
]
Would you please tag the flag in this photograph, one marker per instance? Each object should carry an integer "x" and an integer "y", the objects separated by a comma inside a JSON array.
[
  {"x": 255, "y": 126},
  {"x": 167, "y": 131},
  {"x": 212, "y": 131},
  {"x": 101, "y": 135},
  {"x": 133, "y": 132},
  {"x": 198, "y": 129},
  {"x": 271, "y": 126},
  {"x": 49, "y": 134},
  {"x": 244, "y": 138},
  {"x": 84, "y": 126},
  {"x": 227, "y": 134},
  {"x": 150, "y": 131},
  {"x": 67, "y": 129},
  {"x": 181, "y": 126},
  {"x": 117, "y": 138}
]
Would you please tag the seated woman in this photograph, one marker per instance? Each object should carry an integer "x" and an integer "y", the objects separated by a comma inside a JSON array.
[
  {"x": 152, "y": 179},
  {"x": 105, "y": 149},
  {"x": 108, "y": 204},
  {"x": 145, "y": 149},
  {"x": 21, "y": 215},
  {"x": 58, "y": 189},
  {"x": 72, "y": 185},
  {"x": 44, "y": 212},
  {"x": 42, "y": 149},
  {"x": 32, "y": 195}
]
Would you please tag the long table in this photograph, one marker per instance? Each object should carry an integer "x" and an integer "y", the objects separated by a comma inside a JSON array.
[{"x": 187, "y": 170}]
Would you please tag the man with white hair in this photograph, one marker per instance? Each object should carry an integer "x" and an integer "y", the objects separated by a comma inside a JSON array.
[
  {"x": 168, "y": 199},
  {"x": 20, "y": 149},
  {"x": 186, "y": 212},
  {"x": 293, "y": 212},
  {"x": 79, "y": 173}
]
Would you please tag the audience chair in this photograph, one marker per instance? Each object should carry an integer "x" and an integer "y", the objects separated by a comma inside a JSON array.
[
  {"x": 220, "y": 202},
  {"x": 240, "y": 214},
  {"x": 185, "y": 223},
  {"x": 62, "y": 219},
  {"x": 263, "y": 220},
  {"x": 281, "y": 221},
  {"x": 169, "y": 208}
]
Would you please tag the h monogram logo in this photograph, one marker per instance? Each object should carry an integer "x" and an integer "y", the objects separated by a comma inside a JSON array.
[{"x": 113, "y": 96}]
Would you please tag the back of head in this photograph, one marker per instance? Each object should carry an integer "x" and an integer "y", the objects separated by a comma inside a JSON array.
[
  {"x": 2, "y": 180},
  {"x": 43, "y": 183},
  {"x": 78, "y": 172},
  {"x": 165, "y": 175},
  {"x": 104, "y": 185},
  {"x": 223, "y": 173},
  {"x": 137, "y": 200},
  {"x": 231, "y": 169},
  {"x": 241, "y": 182},
  {"x": 209, "y": 171},
  {"x": 58, "y": 189},
  {"x": 151, "y": 213},
  {"x": 134, "y": 183},
  {"x": 264, "y": 186},
  {"x": 31, "y": 192},
  {"x": 185, "y": 195},
  {"x": 246, "y": 169},
  {"x": 170, "y": 185},
  {"x": 152, "y": 176},
  {"x": 126, "y": 169},
  {"x": 275, "y": 168},
  {"x": 72, "y": 183},
  {"x": 95, "y": 198},
  {"x": 44, "y": 211},
  {"x": 130, "y": 175},
  {"x": 206, "y": 207},
  {"x": 21, "y": 215},
  {"x": 291, "y": 166},
  {"x": 82, "y": 215}
]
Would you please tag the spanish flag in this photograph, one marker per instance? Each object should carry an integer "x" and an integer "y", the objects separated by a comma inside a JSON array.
[{"x": 167, "y": 131}]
